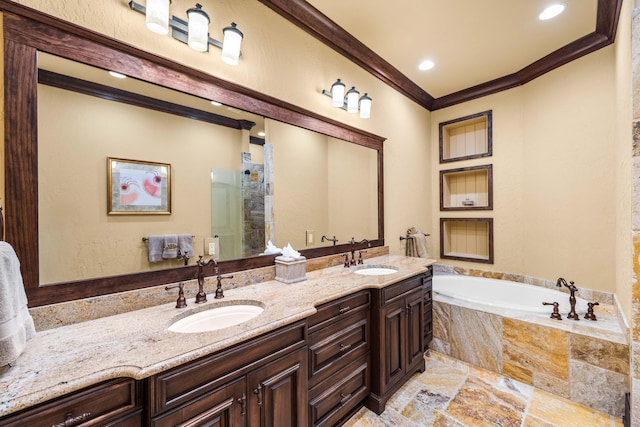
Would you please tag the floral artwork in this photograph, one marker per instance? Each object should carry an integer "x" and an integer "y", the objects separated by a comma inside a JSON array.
[{"x": 137, "y": 187}]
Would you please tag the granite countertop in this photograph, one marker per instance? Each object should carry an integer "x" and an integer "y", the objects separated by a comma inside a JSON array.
[{"x": 138, "y": 344}]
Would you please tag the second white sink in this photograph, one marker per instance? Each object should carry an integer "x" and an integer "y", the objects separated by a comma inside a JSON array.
[
  {"x": 216, "y": 318},
  {"x": 375, "y": 271}
]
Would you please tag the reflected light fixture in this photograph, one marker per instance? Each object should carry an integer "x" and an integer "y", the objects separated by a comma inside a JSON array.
[
  {"x": 551, "y": 12},
  {"x": 351, "y": 102},
  {"x": 117, "y": 75},
  {"x": 194, "y": 32}
]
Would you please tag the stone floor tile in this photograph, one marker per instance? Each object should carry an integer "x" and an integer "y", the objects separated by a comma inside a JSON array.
[
  {"x": 565, "y": 413},
  {"x": 479, "y": 404}
]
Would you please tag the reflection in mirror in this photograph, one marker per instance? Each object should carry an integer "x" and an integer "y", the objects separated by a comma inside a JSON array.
[{"x": 312, "y": 183}]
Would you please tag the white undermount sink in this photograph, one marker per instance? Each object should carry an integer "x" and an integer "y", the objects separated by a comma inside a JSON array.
[
  {"x": 375, "y": 270},
  {"x": 215, "y": 318}
]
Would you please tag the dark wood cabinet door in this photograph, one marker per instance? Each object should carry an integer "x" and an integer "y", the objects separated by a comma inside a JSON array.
[
  {"x": 223, "y": 407},
  {"x": 394, "y": 340},
  {"x": 278, "y": 392},
  {"x": 415, "y": 329}
]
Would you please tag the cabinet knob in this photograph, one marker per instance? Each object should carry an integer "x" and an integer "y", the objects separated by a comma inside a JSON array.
[
  {"x": 243, "y": 404},
  {"x": 344, "y": 347},
  {"x": 258, "y": 391},
  {"x": 70, "y": 420},
  {"x": 345, "y": 398}
]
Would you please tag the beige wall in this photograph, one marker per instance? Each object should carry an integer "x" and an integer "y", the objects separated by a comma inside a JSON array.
[
  {"x": 323, "y": 185},
  {"x": 554, "y": 158},
  {"x": 554, "y": 168},
  {"x": 76, "y": 135},
  {"x": 623, "y": 166}
]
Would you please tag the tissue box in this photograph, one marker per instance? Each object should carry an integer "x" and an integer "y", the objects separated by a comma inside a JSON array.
[{"x": 291, "y": 270}]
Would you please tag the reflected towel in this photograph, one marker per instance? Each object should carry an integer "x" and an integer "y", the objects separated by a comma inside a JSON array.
[
  {"x": 16, "y": 323},
  {"x": 417, "y": 243},
  {"x": 156, "y": 244},
  {"x": 170, "y": 249},
  {"x": 185, "y": 246}
]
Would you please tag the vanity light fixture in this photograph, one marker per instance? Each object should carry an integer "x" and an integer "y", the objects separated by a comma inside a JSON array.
[
  {"x": 194, "y": 32},
  {"x": 351, "y": 102}
]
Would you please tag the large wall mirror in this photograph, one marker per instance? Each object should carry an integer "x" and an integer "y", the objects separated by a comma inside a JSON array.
[{"x": 63, "y": 121}]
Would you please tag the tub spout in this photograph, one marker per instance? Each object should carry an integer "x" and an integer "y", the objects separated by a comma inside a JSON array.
[{"x": 572, "y": 297}]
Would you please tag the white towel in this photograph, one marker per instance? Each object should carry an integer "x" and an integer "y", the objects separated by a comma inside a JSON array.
[
  {"x": 170, "y": 249},
  {"x": 16, "y": 323},
  {"x": 185, "y": 246},
  {"x": 156, "y": 244}
]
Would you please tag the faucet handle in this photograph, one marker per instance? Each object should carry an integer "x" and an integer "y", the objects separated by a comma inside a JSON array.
[
  {"x": 346, "y": 260},
  {"x": 556, "y": 311},
  {"x": 360, "y": 261},
  {"x": 181, "y": 302},
  {"x": 219, "y": 292},
  {"x": 590, "y": 314}
]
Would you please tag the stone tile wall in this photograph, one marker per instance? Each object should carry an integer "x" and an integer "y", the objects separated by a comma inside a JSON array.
[{"x": 587, "y": 370}]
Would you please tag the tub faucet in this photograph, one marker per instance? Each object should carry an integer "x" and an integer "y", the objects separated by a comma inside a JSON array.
[{"x": 572, "y": 297}]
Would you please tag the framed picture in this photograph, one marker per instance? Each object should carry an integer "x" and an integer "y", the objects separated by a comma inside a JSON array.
[{"x": 138, "y": 188}]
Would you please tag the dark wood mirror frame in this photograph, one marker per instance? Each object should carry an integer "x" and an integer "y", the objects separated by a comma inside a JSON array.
[{"x": 26, "y": 32}]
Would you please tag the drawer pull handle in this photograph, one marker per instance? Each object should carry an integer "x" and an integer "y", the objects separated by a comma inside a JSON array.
[
  {"x": 344, "y": 309},
  {"x": 258, "y": 391},
  {"x": 70, "y": 420},
  {"x": 345, "y": 398},
  {"x": 243, "y": 402},
  {"x": 344, "y": 347}
]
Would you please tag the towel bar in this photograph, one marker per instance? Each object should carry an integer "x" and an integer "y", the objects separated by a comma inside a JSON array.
[
  {"x": 146, "y": 239},
  {"x": 407, "y": 237}
]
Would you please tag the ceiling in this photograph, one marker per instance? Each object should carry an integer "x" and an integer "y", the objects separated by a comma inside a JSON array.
[{"x": 478, "y": 47}]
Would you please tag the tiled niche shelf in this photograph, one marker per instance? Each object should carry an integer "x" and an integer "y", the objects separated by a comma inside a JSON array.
[
  {"x": 466, "y": 188},
  {"x": 467, "y": 239},
  {"x": 466, "y": 138}
]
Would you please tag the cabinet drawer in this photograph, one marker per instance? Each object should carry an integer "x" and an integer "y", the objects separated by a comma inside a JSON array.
[
  {"x": 329, "y": 312},
  {"x": 334, "y": 347},
  {"x": 98, "y": 405},
  {"x": 184, "y": 383},
  {"x": 428, "y": 295},
  {"x": 226, "y": 403},
  {"x": 390, "y": 293},
  {"x": 328, "y": 405}
]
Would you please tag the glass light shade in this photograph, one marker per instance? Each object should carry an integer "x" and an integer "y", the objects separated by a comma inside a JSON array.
[
  {"x": 157, "y": 16},
  {"x": 365, "y": 106},
  {"x": 198, "y": 29},
  {"x": 231, "y": 44},
  {"x": 337, "y": 94},
  {"x": 352, "y": 100}
]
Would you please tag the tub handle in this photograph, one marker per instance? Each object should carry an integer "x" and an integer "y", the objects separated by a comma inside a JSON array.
[{"x": 556, "y": 313}]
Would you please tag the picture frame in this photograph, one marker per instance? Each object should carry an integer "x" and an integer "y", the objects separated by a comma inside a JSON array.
[{"x": 136, "y": 187}]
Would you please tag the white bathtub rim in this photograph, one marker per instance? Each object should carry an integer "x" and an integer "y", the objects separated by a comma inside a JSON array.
[{"x": 532, "y": 303}]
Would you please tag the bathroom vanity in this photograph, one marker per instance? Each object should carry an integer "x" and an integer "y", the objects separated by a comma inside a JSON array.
[{"x": 321, "y": 349}]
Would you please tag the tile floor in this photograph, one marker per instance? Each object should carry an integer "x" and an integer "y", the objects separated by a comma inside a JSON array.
[{"x": 451, "y": 393}]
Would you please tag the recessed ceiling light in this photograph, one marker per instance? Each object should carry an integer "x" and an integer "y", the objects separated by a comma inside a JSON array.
[
  {"x": 551, "y": 12},
  {"x": 261, "y": 133},
  {"x": 426, "y": 65},
  {"x": 216, "y": 103},
  {"x": 117, "y": 75}
]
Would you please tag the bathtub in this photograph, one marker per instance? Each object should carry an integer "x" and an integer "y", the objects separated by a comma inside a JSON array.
[{"x": 503, "y": 294}]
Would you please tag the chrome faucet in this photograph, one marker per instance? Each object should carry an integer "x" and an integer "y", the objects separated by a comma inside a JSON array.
[
  {"x": 353, "y": 244},
  {"x": 201, "y": 296},
  {"x": 572, "y": 297}
]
